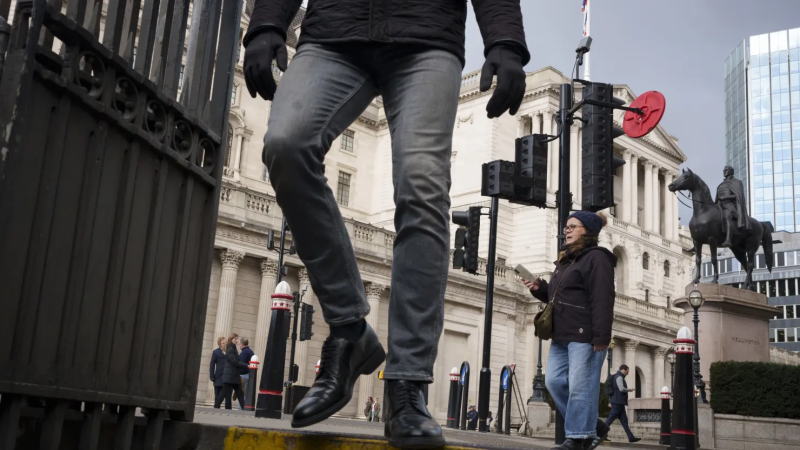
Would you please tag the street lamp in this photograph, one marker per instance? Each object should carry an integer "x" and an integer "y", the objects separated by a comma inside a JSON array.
[
  {"x": 671, "y": 360},
  {"x": 539, "y": 388},
  {"x": 696, "y": 300}
]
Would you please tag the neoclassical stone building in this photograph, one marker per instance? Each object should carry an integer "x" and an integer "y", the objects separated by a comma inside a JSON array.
[{"x": 643, "y": 233}]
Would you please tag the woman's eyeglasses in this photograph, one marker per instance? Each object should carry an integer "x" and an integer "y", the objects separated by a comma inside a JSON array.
[{"x": 571, "y": 227}]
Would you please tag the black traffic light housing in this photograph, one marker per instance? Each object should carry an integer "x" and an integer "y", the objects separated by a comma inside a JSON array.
[
  {"x": 469, "y": 220},
  {"x": 530, "y": 171},
  {"x": 599, "y": 132},
  {"x": 307, "y": 322}
]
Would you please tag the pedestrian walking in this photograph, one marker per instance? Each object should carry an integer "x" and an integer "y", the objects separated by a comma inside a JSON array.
[
  {"x": 472, "y": 418},
  {"x": 217, "y": 368},
  {"x": 582, "y": 293},
  {"x": 410, "y": 52},
  {"x": 376, "y": 411},
  {"x": 618, "y": 398},
  {"x": 368, "y": 409},
  {"x": 231, "y": 378}
]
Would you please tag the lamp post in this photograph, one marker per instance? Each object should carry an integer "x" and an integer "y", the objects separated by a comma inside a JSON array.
[
  {"x": 611, "y": 346},
  {"x": 696, "y": 300},
  {"x": 538, "y": 380},
  {"x": 671, "y": 360}
]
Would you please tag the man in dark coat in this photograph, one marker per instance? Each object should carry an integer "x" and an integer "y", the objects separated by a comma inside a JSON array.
[
  {"x": 216, "y": 370},
  {"x": 730, "y": 196},
  {"x": 618, "y": 397},
  {"x": 410, "y": 52}
]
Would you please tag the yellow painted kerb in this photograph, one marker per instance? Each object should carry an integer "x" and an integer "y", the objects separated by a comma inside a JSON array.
[{"x": 255, "y": 439}]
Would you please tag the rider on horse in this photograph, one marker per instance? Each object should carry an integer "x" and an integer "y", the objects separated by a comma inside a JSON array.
[{"x": 730, "y": 197}]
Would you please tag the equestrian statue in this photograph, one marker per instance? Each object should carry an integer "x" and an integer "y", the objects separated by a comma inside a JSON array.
[{"x": 724, "y": 222}]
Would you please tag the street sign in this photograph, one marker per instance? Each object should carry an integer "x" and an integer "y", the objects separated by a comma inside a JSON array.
[
  {"x": 464, "y": 369},
  {"x": 504, "y": 378},
  {"x": 653, "y": 104}
]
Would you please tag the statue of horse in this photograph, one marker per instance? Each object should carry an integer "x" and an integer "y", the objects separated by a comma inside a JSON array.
[{"x": 708, "y": 227}]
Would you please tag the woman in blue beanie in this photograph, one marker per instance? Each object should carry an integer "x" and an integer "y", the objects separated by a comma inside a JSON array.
[{"x": 582, "y": 289}]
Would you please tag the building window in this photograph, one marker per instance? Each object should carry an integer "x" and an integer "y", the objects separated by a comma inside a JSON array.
[
  {"x": 780, "y": 259},
  {"x": 791, "y": 336},
  {"x": 772, "y": 335},
  {"x": 647, "y": 295},
  {"x": 790, "y": 312},
  {"x": 343, "y": 189},
  {"x": 348, "y": 139},
  {"x": 781, "y": 335},
  {"x": 666, "y": 269},
  {"x": 645, "y": 261}
]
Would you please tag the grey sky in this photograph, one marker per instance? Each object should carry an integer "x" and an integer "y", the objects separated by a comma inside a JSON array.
[{"x": 677, "y": 47}]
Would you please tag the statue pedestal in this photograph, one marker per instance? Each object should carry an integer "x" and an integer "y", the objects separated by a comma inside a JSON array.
[
  {"x": 538, "y": 416},
  {"x": 734, "y": 324}
]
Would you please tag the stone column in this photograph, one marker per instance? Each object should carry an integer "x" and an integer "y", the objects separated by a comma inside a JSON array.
[
  {"x": 670, "y": 207},
  {"x": 269, "y": 274},
  {"x": 366, "y": 383},
  {"x": 626, "y": 188},
  {"x": 635, "y": 190},
  {"x": 227, "y": 291},
  {"x": 667, "y": 206},
  {"x": 630, "y": 361},
  {"x": 575, "y": 163},
  {"x": 648, "y": 196},
  {"x": 552, "y": 152},
  {"x": 657, "y": 208},
  {"x": 301, "y": 355},
  {"x": 659, "y": 355}
]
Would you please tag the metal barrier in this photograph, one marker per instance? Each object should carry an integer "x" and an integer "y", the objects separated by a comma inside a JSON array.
[{"x": 113, "y": 117}]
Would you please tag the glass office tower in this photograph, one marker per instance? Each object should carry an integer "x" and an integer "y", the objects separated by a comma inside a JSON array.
[{"x": 762, "y": 113}]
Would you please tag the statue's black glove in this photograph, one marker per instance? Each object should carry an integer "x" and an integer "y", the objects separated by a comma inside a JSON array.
[
  {"x": 506, "y": 63},
  {"x": 258, "y": 55}
]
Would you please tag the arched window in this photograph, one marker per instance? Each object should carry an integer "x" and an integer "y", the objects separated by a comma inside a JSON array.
[
  {"x": 645, "y": 261},
  {"x": 620, "y": 271},
  {"x": 666, "y": 269}
]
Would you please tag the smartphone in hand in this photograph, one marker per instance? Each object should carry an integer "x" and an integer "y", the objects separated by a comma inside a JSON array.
[{"x": 524, "y": 273}]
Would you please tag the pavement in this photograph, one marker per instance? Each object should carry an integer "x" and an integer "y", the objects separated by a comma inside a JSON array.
[{"x": 236, "y": 429}]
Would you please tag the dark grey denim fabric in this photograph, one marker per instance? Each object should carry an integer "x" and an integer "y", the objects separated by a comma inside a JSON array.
[{"x": 325, "y": 88}]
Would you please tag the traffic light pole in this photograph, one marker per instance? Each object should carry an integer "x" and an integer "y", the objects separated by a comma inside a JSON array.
[
  {"x": 486, "y": 373},
  {"x": 564, "y": 195}
]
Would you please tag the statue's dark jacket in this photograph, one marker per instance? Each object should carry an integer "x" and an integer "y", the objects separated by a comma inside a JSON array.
[
  {"x": 433, "y": 23},
  {"x": 736, "y": 187},
  {"x": 583, "y": 289}
]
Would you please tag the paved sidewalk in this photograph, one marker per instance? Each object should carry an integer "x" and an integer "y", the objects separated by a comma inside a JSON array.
[{"x": 244, "y": 430}]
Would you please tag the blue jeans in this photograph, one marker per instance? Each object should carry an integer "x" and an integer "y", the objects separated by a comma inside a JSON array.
[
  {"x": 573, "y": 380},
  {"x": 325, "y": 89}
]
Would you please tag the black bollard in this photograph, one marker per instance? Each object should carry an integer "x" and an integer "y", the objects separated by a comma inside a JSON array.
[
  {"x": 509, "y": 389},
  {"x": 252, "y": 382},
  {"x": 464, "y": 380},
  {"x": 683, "y": 411},
  {"x": 452, "y": 403},
  {"x": 270, "y": 392},
  {"x": 665, "y": 417}
]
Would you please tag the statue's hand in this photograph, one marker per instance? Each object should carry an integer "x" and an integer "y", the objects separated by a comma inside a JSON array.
[
  {"x": 258, "y": 56},
  {"x": 506, "y": 63}
]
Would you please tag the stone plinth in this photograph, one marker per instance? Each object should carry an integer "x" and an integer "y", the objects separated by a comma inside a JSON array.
[
  {"x": 734, "y": 324},
  {"x": 538, "y": 416}
]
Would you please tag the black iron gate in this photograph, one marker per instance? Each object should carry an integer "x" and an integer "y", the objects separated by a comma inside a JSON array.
[{"x": 112, "y": 122}]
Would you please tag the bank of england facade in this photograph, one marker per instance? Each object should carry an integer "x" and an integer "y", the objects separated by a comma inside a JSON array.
[{"x": 643, "y": 233}]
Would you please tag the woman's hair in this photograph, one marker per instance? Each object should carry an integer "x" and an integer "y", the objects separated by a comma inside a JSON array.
[
  {"x": 232, "y": 337},
  {"x": 219, "y": 341},
  {"x": 585, "y": 241}
]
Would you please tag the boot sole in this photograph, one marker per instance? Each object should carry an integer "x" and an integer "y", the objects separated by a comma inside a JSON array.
[
  {"x": 417, "y": 442},
  {"x": 367, "y": 367}
]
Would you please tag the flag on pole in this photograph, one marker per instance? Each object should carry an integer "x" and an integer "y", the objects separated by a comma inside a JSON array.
[{"x": 586, "y": 22}]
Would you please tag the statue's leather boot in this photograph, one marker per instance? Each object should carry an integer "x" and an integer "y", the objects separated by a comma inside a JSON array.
[
  {"x": 342, "y": 362},
  {"x": 410, "y": 424}
]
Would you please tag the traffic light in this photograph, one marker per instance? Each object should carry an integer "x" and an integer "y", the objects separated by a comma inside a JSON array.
[
  {"x": 599, "y": 132},
  {"x": 460, "y": 242},
  {"x": 471, "y": 220},
  {"x": 498, "y": 179},
  {"x": 307, "y": 322},
  {"x": 530, "y": 170}
]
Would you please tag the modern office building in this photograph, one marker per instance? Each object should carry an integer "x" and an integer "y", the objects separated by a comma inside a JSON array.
[
  {"x": 782, "y": 286},
  {"x": 762, "y": 113}
]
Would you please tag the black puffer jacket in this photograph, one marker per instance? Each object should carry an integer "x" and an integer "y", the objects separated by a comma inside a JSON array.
[
  {"x": 233, "y": 367},
  {"x": 434, "y": 23},
  {"x": 583, "y": 287}
]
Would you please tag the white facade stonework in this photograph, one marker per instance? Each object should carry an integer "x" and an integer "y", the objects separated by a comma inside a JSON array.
[{"x": 645, "y": 221}]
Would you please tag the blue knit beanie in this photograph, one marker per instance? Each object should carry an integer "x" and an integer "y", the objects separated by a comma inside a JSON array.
[{"x": 591, "y": 221}]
